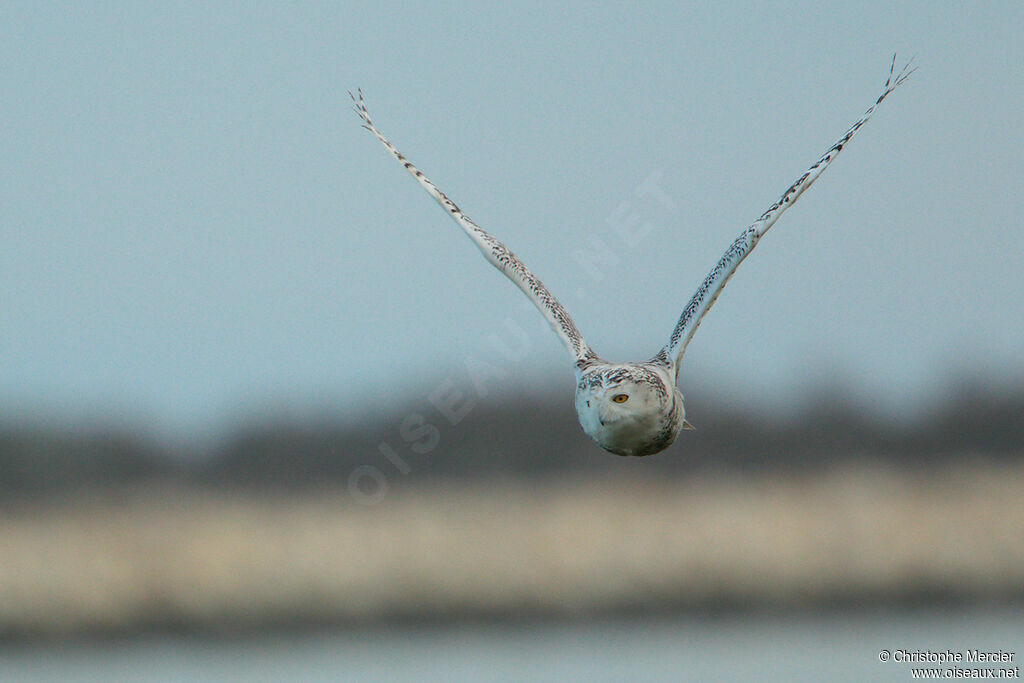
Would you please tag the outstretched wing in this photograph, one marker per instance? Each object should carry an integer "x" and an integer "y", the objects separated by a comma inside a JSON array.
[
  {"x": 496, "y": 252},
  {"x": 712, "y": 285}
]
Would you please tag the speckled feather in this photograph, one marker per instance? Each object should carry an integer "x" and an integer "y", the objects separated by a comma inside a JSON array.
[
  {"x": 716, "y": 280},
  {"x": 496, "y": 252}
]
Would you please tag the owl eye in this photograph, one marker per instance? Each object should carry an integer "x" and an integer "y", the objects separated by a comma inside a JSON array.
[{"x": 620, "y": 398}]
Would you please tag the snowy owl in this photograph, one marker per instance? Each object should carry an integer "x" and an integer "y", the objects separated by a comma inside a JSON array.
[{"x": 632, "y": 408}]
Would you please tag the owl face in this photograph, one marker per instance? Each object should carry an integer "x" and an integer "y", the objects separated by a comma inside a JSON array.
[{"x": 629, "y": 410}]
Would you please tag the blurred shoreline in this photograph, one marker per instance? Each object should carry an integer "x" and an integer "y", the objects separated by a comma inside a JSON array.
[
  {"x": 406, "y": 517},
  {"x": 187, "y": 559}
]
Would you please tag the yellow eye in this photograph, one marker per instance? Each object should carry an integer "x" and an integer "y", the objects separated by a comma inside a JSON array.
[{"x": 620, "y": 398}]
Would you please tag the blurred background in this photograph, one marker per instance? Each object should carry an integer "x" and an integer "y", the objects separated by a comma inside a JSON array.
[{"x": 264, "y": 411}]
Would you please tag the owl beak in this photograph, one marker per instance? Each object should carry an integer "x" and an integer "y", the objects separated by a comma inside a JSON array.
[{"x": 688, "y": 427}]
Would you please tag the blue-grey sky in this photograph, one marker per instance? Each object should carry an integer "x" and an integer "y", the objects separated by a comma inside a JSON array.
[{"x": 195, "y": 228}]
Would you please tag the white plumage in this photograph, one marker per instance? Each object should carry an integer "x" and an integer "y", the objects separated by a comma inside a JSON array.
[{"x": 632, "y": 408}]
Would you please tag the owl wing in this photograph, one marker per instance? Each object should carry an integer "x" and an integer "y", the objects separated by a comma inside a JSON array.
[
  {"x": 497, "y": 253},
  {"x": 712, "y": 285}
]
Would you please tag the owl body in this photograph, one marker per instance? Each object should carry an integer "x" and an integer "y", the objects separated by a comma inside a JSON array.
[{"x": 630, "y": 409}]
